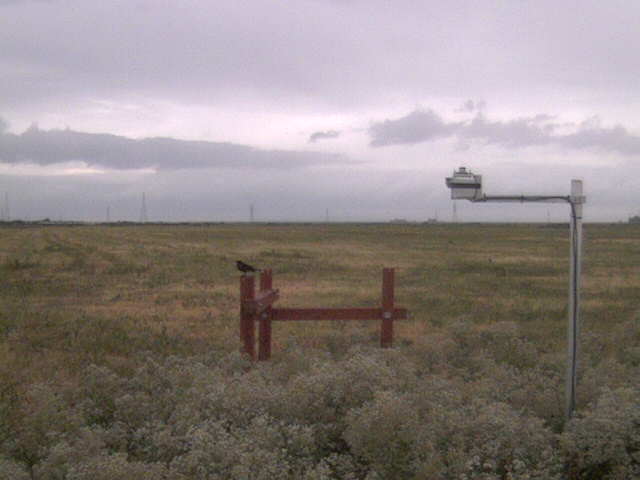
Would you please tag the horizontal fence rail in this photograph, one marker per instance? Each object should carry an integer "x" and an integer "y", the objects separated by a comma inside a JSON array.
[{"x": 303, "y": 314}]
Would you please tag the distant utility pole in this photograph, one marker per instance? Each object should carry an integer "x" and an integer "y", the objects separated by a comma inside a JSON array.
[
  {"x": 251, "y": 212},
  {"x": 454, "y": 218},
  {"x": 326, "y": 216},
  {"x": 5, "y": 213},
  {"x": 143, "y": 210},
  {"x": 108, "y": 214}
]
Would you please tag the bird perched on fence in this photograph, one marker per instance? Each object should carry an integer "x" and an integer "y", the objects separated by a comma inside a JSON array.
[{"x": 245, "y": 268}]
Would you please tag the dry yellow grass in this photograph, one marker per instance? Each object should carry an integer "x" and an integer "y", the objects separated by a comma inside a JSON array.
[{"x": 176, "y": 287}]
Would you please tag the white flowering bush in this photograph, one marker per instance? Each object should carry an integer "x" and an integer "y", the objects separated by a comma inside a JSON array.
[
  {"x": 264, "y": 449},
  {"x": 116, "y": 467},
  {"x": 473, "y": 406},
  {"x": 493, "y": 441},
  {"x": 536, "y": 391},
  {"x": 45, "y": 417},
  {"x": 604, "y": 440},
  {"x": 12, "y": 470},
  {"x": 385, "y": 433}
]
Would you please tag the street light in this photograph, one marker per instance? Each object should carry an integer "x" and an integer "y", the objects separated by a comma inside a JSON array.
[{"x": 466, "y": 185}]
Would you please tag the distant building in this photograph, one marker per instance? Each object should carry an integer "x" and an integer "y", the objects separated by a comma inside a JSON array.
[{"x": 634, "y": 219}]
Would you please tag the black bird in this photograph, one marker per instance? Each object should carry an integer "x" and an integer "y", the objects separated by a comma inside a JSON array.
[{"x": 244, "y": 267}]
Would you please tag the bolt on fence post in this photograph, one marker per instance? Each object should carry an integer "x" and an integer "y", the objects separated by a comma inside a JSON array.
[
  {"x": 386, "y": 328},
  {"x": 247, "y": 331},
  {"x": 264, "y": 322}
]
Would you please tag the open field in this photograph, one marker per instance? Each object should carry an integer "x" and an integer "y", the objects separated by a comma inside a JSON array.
[{"x": 487, "y": 309}]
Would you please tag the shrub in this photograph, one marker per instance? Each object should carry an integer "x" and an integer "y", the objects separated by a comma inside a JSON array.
[
  {"x": 384, "y": 433},
  {"x": 44, "y": 418},
  {"x": 264, "y": 449},
  {"x": 99, "y": 390},
  {"x": 11, "y": 470},
  {"x": 604, "y": 441},
  {"x": 492, "y": 441},
  {"x": 70, "y": 451},
  {"x": 537, "y": 391},
  {"x": 116, "y": 467},
  {"x": 368, "y": 414}
]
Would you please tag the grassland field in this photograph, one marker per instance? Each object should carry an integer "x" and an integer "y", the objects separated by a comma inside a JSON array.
[
  {"x": 176, "y": 288},
  {"x": 101, "y": 295}
]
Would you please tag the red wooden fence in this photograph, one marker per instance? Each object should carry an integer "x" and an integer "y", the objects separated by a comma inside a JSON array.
[{"x": 259, "y": 307}]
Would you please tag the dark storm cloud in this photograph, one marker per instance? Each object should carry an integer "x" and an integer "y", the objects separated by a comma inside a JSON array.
[
  {"x": 519, "y": 132},
  {"x": 616, "y": 139},
  {"x": 418, "y": 126},
  {"x": 323, "y": 135},
  {"x": 424, "y": 126},
  {"x": 45, "y": 147}
]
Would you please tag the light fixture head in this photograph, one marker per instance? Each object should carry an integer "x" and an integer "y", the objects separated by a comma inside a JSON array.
[{"x": 465, "y": 185}]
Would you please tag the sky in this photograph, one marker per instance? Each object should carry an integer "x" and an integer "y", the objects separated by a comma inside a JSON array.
[{"x": 355, "y": 110}]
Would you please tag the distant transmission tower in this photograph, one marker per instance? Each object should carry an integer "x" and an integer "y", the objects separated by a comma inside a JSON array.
[
  {"x": 326, "y": 216},
  {"x": 251, "y": 213},
  {"x": 143, "y": 210}
]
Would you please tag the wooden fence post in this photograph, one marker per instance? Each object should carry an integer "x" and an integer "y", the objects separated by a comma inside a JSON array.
[
  {"x": 264, "y": 338},
  {"x": 258, "y": 306},
  {"x": 386, "y": 329},
  {"x": 247, "y": 317}
]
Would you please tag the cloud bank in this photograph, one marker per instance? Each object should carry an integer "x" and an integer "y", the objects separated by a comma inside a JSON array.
[
  {"x": 47, "y": 147},
  {"x": 540, "y": 130}
]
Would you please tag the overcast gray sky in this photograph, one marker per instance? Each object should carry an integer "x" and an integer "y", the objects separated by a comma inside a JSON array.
[{"x": 361, "y": 107}]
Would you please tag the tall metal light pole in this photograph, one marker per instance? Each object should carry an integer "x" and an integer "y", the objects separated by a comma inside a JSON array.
[
  {"x": 573, "y": 330},
  {"x": 466, "y": 185}
]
